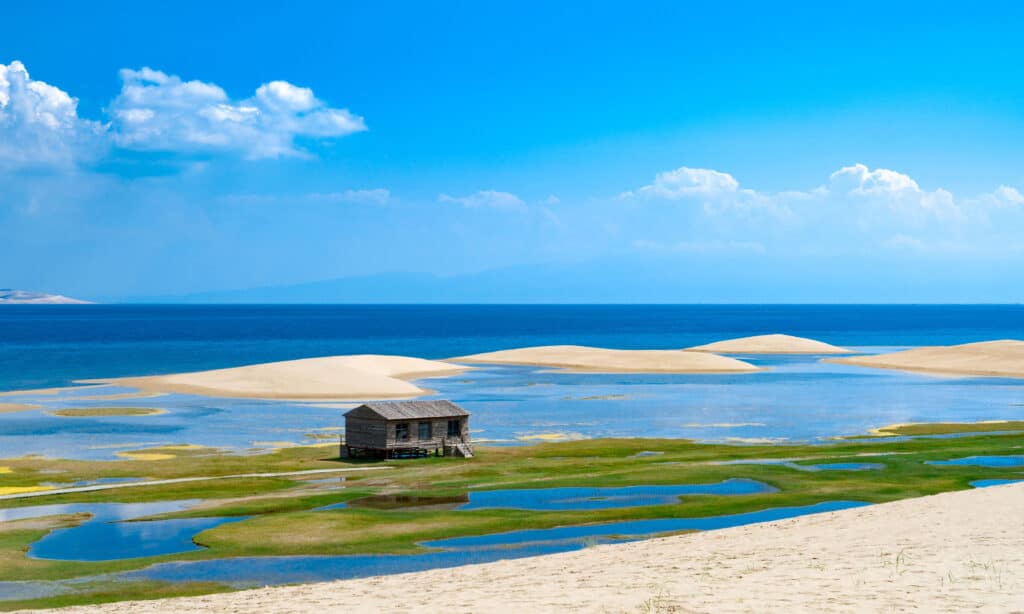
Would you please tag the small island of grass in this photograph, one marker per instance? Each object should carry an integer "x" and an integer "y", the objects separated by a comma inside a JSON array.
[{"x": 949, "y": 428}]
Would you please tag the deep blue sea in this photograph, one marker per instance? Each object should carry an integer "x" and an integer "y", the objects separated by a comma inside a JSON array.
[
  {"x": 795, "y": 398},
  {"x": 52, "y": 345}
]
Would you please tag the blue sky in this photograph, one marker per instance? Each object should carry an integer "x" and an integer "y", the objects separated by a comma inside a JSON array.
[{"x": 863, "y": 152}]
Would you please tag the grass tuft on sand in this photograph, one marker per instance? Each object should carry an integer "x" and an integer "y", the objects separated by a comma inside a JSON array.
[{"x": 103, "y": 412}]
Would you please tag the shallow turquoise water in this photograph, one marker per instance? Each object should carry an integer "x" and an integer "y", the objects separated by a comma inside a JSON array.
[{"x": 798, "y": 399}]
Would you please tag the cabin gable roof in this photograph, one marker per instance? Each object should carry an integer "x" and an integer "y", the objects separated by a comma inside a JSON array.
[{"x": 407, "y": 410}]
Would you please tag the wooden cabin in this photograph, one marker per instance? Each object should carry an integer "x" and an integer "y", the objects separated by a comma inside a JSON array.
[{"x": 404, "y": 429}]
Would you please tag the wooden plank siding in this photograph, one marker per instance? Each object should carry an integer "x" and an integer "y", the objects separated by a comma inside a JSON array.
[
  {"x": 438, "y": 433},
  {"x": 374, "y": 427}
]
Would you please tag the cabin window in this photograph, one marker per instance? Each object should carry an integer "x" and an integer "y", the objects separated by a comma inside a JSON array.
[
  {"x": 454, "y": 428},
  {"x": 402, "y": 431},
  {"x": 424, "y": 430}
]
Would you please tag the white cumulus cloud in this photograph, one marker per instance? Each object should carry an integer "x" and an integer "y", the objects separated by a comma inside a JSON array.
[
  {"x": 1003, "y": 196},
  {"x": 39, "y": 123},
  {"x": 160, "y": 112},
  {"x": 895, "y": 190},
  {"x": 859, "y": 179},
  {"x": 717, "y": 192},
  {"x": 686, "y": 182}
]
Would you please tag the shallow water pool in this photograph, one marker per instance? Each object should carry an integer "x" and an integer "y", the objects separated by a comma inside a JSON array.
[
  {"x": 108, "y": 535},
  {"x": 264, "y": 571},
  {"x": 595, "y": 498},
  {"x": 994, "y": 482},
  {"x": 982, "y": 461}
]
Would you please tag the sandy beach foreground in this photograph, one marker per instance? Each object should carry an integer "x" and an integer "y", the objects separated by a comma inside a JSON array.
[
  {"x": 1003, "y": 358},
  {"x": 598, "y": 360},
  {"x": 944, "y": 553}
]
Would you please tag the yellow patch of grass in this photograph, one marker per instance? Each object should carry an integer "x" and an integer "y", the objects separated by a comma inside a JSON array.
[
  {"x": 144, "y": 456},
  {"x": 6, "y": 470},
  {"x": 15, "y": 490},
  {"x": 551, "y": 437},
  {"x": 274, "y": 444}
]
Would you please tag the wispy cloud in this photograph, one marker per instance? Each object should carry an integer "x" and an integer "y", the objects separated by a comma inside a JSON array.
[
  {"x": 491, "y": 199},
  {"x": 377, "y": 196},
  {"x": 701, "y": 247}
]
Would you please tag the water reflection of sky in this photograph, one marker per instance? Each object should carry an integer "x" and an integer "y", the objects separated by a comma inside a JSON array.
[
  {"x": 105, "y": 536},
  {"x": 798, "y": 398}
]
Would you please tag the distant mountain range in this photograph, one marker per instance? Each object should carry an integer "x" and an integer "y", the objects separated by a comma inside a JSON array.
[
  {"x": 520, "y": 284},
  {"x": 699, "y": 278},
  {"x": 24, "y": 297}
]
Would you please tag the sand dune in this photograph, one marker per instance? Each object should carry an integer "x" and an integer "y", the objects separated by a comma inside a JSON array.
[
  {"x": 334, "y": 377},
  {"x": 583, "y": 358},
  {"x": 25, "y": 297},
  {"x": 770, "y": 344},
  {"x": 952, "y": 552},
  {"x": 991, "y": 358}
]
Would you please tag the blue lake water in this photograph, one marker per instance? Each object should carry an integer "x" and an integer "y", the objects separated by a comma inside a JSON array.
[
  {"x": 45, "y": 345},
  {"x": 106, "y": 536},
  {"x": 547, "y": 499},
  {"x": 261, "y": 571},
  {"x": 983, "y": 461}
]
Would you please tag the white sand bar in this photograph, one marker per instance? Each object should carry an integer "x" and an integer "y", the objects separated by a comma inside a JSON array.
[
  {"x": 601, "y": 360},
  {"x": 955, "y": 552},
  {"x": 988, "y": 358},
  {"x": 771, "y": 344},
  {"x": 366, "y": 376}
]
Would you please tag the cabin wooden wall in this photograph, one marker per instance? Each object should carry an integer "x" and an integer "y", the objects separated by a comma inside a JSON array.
[
  {"x": 380, "y": 434},
  {"x": 363, "y": 433}
]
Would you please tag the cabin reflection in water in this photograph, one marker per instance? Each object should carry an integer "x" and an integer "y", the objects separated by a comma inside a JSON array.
[{"x": 407, "y": 429}]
